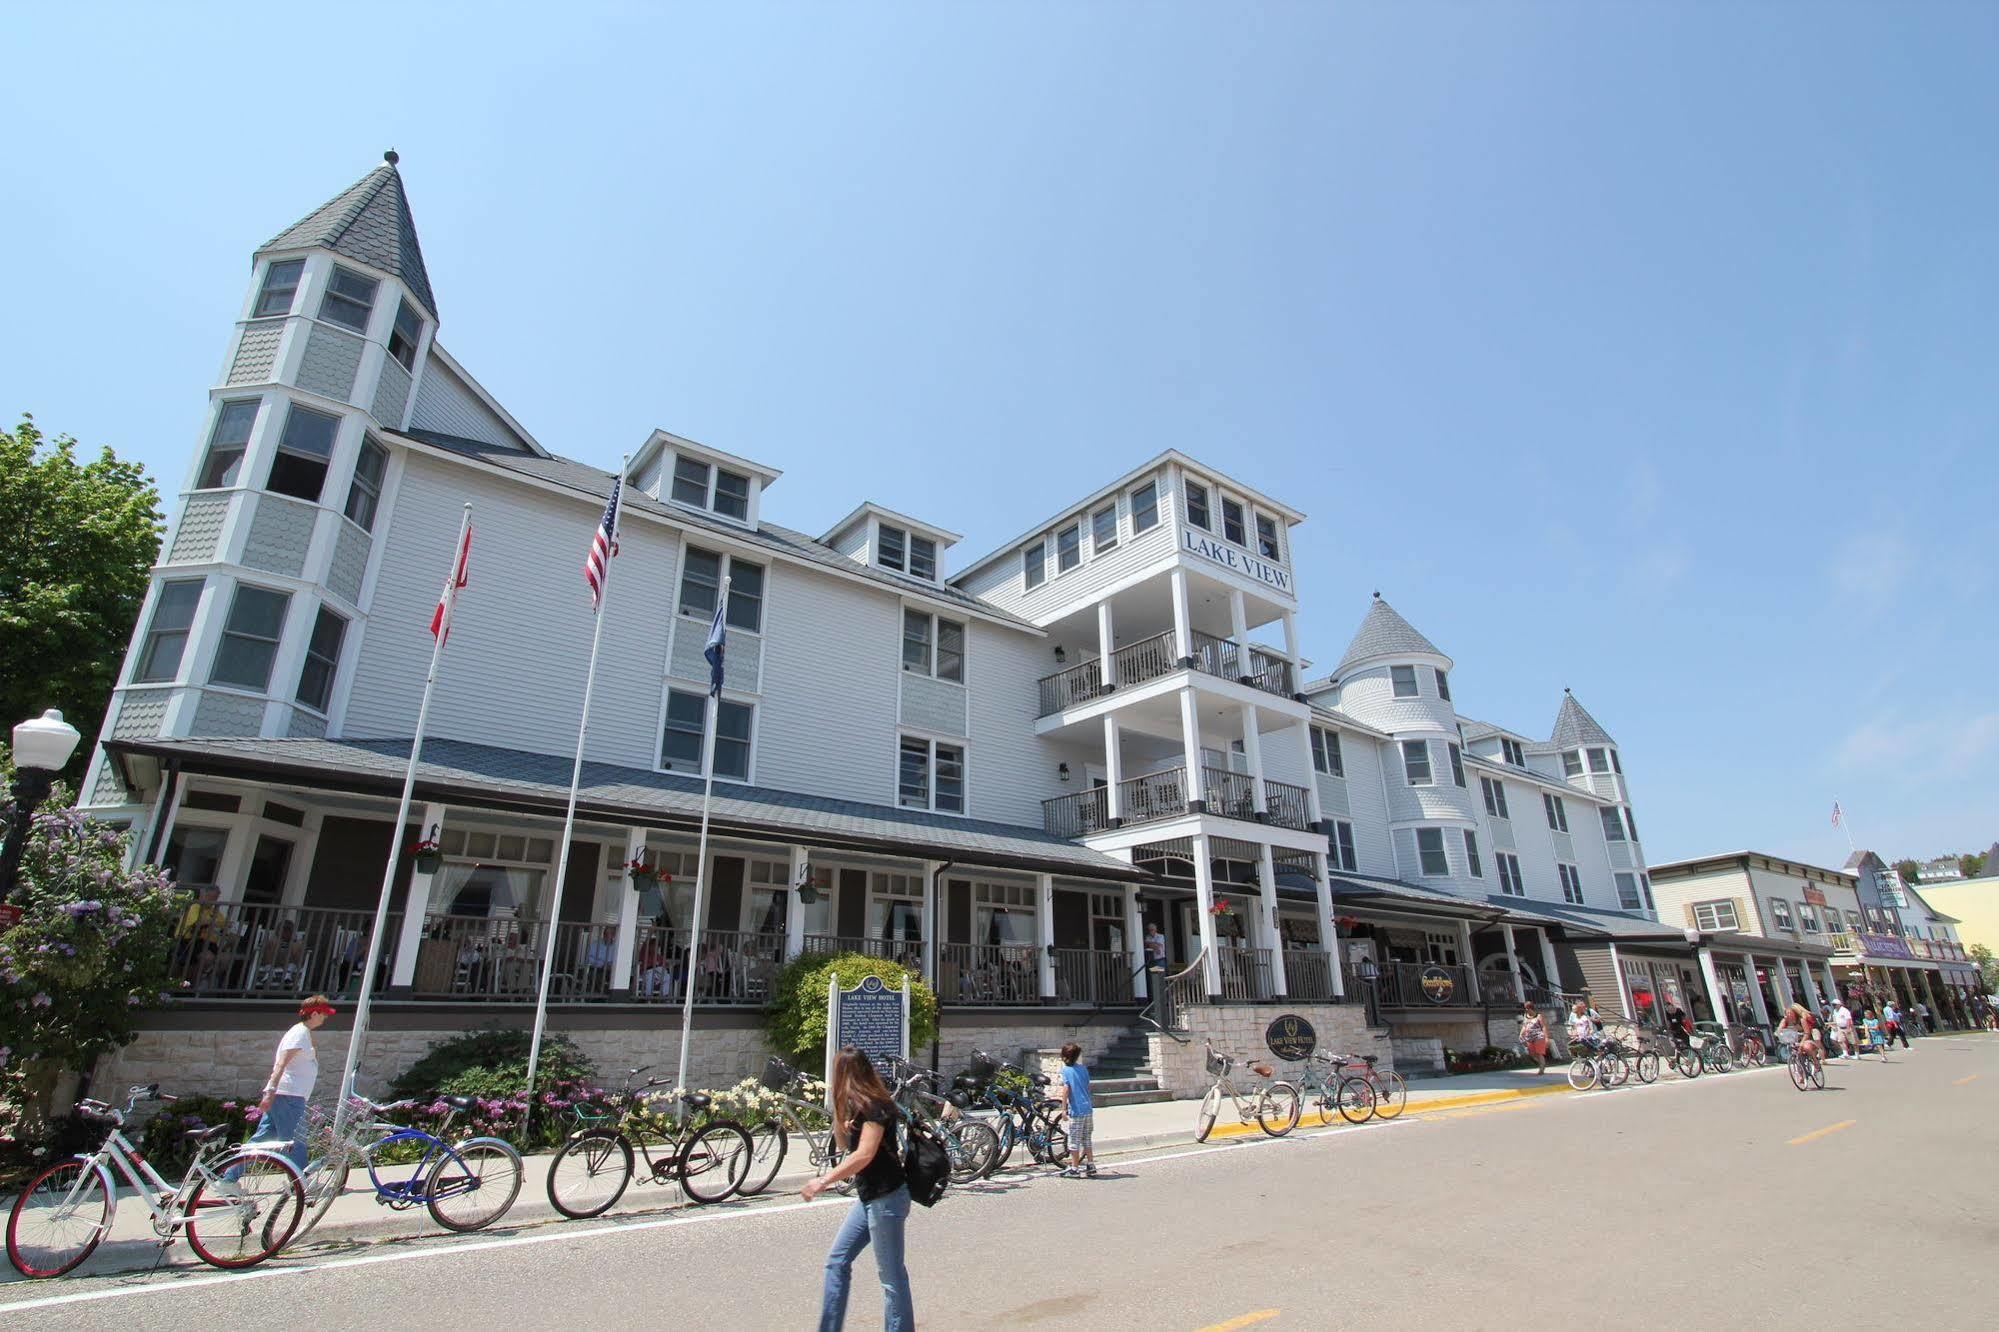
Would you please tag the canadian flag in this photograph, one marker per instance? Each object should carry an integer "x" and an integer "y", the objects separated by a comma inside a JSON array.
[{"x": 440, "y": 619}]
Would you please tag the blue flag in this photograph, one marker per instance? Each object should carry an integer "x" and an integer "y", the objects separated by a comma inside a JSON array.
[{"x": 718, "y": 642}]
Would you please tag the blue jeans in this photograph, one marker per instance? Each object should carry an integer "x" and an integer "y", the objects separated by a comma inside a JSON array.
[
  {"x": 280, "y": 1127},
  {"x": 879, "y": 1222}
]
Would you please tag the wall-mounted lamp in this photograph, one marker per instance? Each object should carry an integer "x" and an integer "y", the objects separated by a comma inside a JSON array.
[
  {"x": 1061, "y": 654},
  {"x": 1062, "y": 771},
  {"x": 1051, "y": 950}
]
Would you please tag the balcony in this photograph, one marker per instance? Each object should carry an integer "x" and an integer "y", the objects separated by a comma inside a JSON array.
[
  {"x": 1151, "y": 658},
  {"x": 1163, "y": 795}
]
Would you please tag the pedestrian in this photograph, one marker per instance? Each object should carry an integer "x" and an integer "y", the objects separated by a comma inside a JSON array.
[
  {"x": 1870, "y": 1029},
  {"x": 1074, "y": 1093},
  {"x": 1155, "y": 947},
  {"x": 1534, "y": 1036},
  {"x": 864, "y": 1119},
  {"x": 281, "y": 1109},
  {"x": 1922, "y": 1011},
  {"x": 1582, "y": 1027},
  {"x": 1891, "y": 1026},
  {"x": 1842, "y": 1026}
]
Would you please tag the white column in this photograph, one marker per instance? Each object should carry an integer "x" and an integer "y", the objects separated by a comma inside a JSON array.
[
  {"x": 794, "y": 916},
  {"x": 1465, "y": 953},
  {"x": 1314, "y": 810},
  {"x": 1239, "y": 631},
  {"x": 1831, "y": 982},
  {"x": 1624, "y": 1003},
  {"x": 1134, "y": 943},
  {"x": 1811, "y": 990},
  {"x": 626, "y": 946},
  {"x": 1712, "y": 979},
  {"x": 1044, "y": 924},
  {"x": 1329, "y": 933},
  {"x": 1204, "y": 914},
  {"x": 1252, "y": 748},
  {"x": 1266, "y": 878},
  {"x": 1513, "y": 961},
  {"x": 1106, "y": 646},
  {"x": 1756, "y": 1002},
  {"x": 1290, "y": 621},
  {"x": 1550, "y": 964},
  {"x": 1783, "y": 975},
  {"x": 1113, "y": 769},
  {"x": 1183, "y": 623},
  {"x": 416, "y": 903},
  {"x": 1190, "y": 739},
  {"x": 933, "y": 922}
]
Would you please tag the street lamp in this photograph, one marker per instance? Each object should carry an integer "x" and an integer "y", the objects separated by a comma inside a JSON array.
[{"x": 41, "y": 747}]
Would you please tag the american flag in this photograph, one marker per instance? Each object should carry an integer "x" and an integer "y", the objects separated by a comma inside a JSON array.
[
  {"x": 603, "y": 547},
  {"x": 1835, "y": 814}
]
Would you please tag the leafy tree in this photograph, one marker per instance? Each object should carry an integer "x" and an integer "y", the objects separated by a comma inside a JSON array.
[
  {"x": 795, "y": 1023},
  {"x": 76, "y": 541},
  {"x": 1908, "y": 869},
  {"x": 1972, "y": 864},
  {"x": 1988, "y": 967}
]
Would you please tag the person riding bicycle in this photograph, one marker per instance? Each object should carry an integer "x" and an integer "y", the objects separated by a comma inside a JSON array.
[{"x": 1802, "y": 1020}]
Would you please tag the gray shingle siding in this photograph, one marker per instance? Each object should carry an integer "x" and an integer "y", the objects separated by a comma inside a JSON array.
[
  {"x": 392, "y": 394},
  {"x": 332, "y": 359},
  {"x": 228, "y": 714},
  {"x": 1383, "y": 633},
  {"x": 199, "y": 529},
  {"x": 933, "y": 705},
  {"x": 257, "y": 351},
  {"x": 350, "y": 563},
  {"x": 280, "y": 531},
  {"x": 370, "y": 223}
]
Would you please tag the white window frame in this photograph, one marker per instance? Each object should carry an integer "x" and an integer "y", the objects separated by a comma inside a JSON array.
[
  {"x": 1780, "y": 915},
  {"x": 285, "y": 448},
  {"x": 1572, "y": 763},
  {"x": 1591, "y": 756},
  {"x": 933, "y": 644},
  {"x": 1556, "y": 811},
  {"x": 1097, "y": 544},
  {"x": 748, "y": 777},
  {"x": 1708, "y": 916},
  {"x": 1259, "y": 521},
  {"x": 1144, "y": 516},
  {"x": 1512, "y": 751},
  {"x": 1241, "y": 538},
  {"x": 1572, "y": 882},
  {"x": 1443, "y": 682},
  {"x": 1034, "y": 564},
  {"x": 1613, "y": 823},
  {"x": 1495, "y": 798},
  {"x": 363, "y": 491},
  {"x": 155, "y": 632},
  {"x": 276, "y": 644},
  {"x": 711, "y": 473},
  {"x": 267, "y": 288},
  {"x": 232, "y": 473},
  {"x": 1808, "y": 918},
  {"x": 1396, "y": 679},
  {"x": 1422, "y": 854},
  {"x": 1197, "y": 494},
  {"x": 1076, "y": 562},
  {"x": 1511, "y": 882},
  {"x": 329, "y": 296},
  {"x": 1628, "y": 898},
  {"x": 404, "y": 342},
  {"x": 725, "y": 572},
  {"x": 1408, "y": 769},
  {"x": 1457, "y": 765},
  {"x": 313, "y": 656},
  {"x": 1327, "y": 759},
  {"x": 1344, "y": 853},
  {"x": 932, "y": 744},
  {"x": 1472, "y": 861}
]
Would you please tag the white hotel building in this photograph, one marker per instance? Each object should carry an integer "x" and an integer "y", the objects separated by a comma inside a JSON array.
[{"x": 1000, "y": 769}]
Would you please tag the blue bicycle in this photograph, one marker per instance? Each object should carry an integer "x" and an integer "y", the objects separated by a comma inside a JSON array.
[{"x": 467, "y": 1185}]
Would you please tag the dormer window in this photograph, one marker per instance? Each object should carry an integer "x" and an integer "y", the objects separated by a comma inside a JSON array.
[
  {"x": 1513, "y": 752},
  {"x": 280, "y": 285},
  {"x": 1233, "y": 530},
  {"x": 922, "y": 558},
  {"x": 906, "y": 552},
  {"x": 404, "y": 337},
  {"x": 349, "y": 299},
  {"x": 1266, "y": 538},
  {"x": 716, "y": 489},
  {"x": 732, "y": 495}
]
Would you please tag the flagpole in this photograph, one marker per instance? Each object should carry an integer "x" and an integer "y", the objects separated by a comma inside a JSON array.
[
  {"x": 700, "y": 860},
  {"x": 1845, "y": 826},
  {"x": 449, "y": 600},
  {"x": 569, "y": 814}
]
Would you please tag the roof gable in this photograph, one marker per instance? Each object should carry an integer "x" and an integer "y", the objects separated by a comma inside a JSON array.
[{"x": 368, "y": 222}]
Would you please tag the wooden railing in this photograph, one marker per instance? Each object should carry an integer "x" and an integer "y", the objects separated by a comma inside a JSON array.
[
  {"x": 1077, "y": 814},
  {"x": 907, "y": 951},
  {"x": 1147, "y": 659},
  {"x": 1289, "y": 805},
  {"x": 1178, "y": 993},
  {"x": 1093, "y": 976},
  {"x": 1245, "y": 973},
  {"x": 1142, "y": 799},
  {"x": 1308, "y": 973},
  {"x": 1228, "y": 793},
  {"x": 1067, "y": 688},
  {"x": 246, "y": 952},
  {"x": 988, "y": 974},
  {"x": 1151, "y": 658},
  {"x": 1403, "y": 985}
]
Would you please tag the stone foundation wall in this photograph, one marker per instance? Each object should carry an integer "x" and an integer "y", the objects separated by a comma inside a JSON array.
[
  {"x": 1238, "y": 1029},
  {"x": 1418, "y": 1054}
]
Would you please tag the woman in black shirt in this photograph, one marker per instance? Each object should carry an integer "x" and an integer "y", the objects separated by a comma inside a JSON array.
[{"x": 864, "y": 1119}]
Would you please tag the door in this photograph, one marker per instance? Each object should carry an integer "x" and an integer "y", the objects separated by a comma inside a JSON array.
[{"x": 264, "y": 885}]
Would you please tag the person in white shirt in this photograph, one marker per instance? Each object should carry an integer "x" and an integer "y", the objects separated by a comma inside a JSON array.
[
  {"x": 1583, "y": 1025},
  {"x": 282, "y": 1106},
  {"x": 1842, "y": 1023}
]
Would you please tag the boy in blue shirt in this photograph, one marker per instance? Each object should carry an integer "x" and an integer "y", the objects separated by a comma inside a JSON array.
[{"x": 1075, "y": 1094}]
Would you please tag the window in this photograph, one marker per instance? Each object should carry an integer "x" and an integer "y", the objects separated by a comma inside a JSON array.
[
  {"x": 732, "y": 499},
  {"x": 690, "y": 481},
  {"x": 1780, "y": 913},
  {"x": 322, "y": 659},
  {"x": 1572, "y": 763},
  {"x": 932, "y": 645},
  {"x": 1266, "y": 537},
  {"x": 1326, "y": 755},
  {"x": 731, "y": 494},
  {"x": 931, "y": 775},
  {"x": 916, "y": 641},
  {"x": 1403, "y": 679},
  {"x": 1068, "y": 548},
  {"x": 1615, "y": 766},
  {"x": 1495, "y": 797},
  {"x": 891, "y": 543},
  {"x": 1233, "y": 530},
  {"x": 299, "y": 470},
  {"x": 1597, "y": 761},
  {"x": 1716, "y": 916},
  {"x": 701, "y": 582},
  {"x": 349, "y": 299},
  {"x": 1572, "y": 883},
  {"x": 364, "y": 494},
  {"x": 194, "y": 855},
  {"x": 1145, "y": 508},
  {"x": 403, "y": 338},
  {"x": 173, "y": 612},
  {"x": 1197, "y": 505},
  {"x": 922, "y": 558},
  {"x": 1613, "y": 827},
  {"x": 1443, "y": 684},
  {"x": 1034, "y": 564},
  {"x": 1416, "y": 762},
  {"x": 1645, "y": 887},
  {"x": 1510, "y": 882},
  {"x": 1511, "y": 750},
  {"x": 1457, "y": 765},
  {"x": 1627, "y": 891},
  {"x": 1344, "y": 854},
  {"x": 1808, "y": 918},
  {"x": 250, "y": 637},
  {"x": 1630, "y": 823},
  {"x": 1471, "y": 855},
  {"x": 226, "y": 444},
  {"x": 280, "y": 285},
  {"x": 1558, "y": 813},
  {"x": 1103, "y": 528},
  {"x": 1854, "y": 923},
  {"x": 1430, "y": 851},
  {"x": 680, "y": 744}
]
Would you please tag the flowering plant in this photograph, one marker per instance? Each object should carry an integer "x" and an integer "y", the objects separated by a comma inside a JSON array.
[
  {"x": 1222, "y": 907},
  {"x": 645, "y": 875}
]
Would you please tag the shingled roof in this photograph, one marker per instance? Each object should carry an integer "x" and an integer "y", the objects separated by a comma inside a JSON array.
[
  {"x": 1574, "y": 727},
  {"x": 370, "y": 223},
  {"x": 1383, "y": 633}
]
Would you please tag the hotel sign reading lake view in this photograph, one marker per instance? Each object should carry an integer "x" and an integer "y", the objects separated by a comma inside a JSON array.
[{"x": 1229, "y": 557}]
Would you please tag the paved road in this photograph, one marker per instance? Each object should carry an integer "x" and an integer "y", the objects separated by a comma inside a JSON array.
[{"x": 1690, "y": 1200}]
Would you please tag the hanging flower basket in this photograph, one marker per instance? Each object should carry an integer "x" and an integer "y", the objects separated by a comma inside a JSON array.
[
  {"x": 426, "y": 854},
  {"x": 1346, "y": 924},
  {"x": 646, "y": 876},
  {"x": 1222, "y": 908}
]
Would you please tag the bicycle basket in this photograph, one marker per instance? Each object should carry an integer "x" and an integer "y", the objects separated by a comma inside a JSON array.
[
  {"x": 981, "y": 1068},
  {"x": 777, "y": 1075},
  {"x": 1219, "y": 1065}
]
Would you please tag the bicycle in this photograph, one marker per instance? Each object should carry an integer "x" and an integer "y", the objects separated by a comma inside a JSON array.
[
  {"x": 1276, "y": 1104},
  {"x": 1351, "y": 1098},
  {"x": 1638, "y": 1058},
  {"x": 1807, "y": 1070},
  {"x": 443, "y": 1177},
  {"x": 595, "y": 1166},
  {"x": 971, "y": 1143},
  {"x": 1751, "y": 1051},
  {"x": 771, "y": 1140},
  {"x": 237, "y": 1205},
  {"x": 1019, "y": 1112},
  {"x": 1599, "y": 1065}
]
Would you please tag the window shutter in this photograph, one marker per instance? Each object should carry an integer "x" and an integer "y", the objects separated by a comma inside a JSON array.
[
  {"x": 1742, "y": 916},
  {"x": 1688, "y": 908}
]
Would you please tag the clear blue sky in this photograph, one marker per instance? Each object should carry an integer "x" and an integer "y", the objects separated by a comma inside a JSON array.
[{"x": 1639, "y": 349}]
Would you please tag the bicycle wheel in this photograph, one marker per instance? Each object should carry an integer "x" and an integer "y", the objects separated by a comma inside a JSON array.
[
  {"x": 973, "y": 1147},
  {"x": 1818, "y": 1073},
  {"x": 325, "y": 1181},
  {"x": 1204, "y": 1121},
  {"x": 1055, "y": 1139},
  {"x": 1582, "y": 1073},
  {"x": 768, "y": 1144},
  {"x": 1325, "y": 1103},
  {"x": 1801, "y": 1078},
  {"x": 58, "y": 1220},
  {"x": 474, "y": 1184},
  {"x": 1647, "y": 1067},
  {"x": 718, "y": 1161},
  {"x": 1615, "y": 1071},
  {"x": 1391, "y": 1094},
  {"x": 1277, "y": 1109},
  {"x": 1356, "y": 1100},
  {"x": 1686, "y": 1063},
  {"x": 590, "y": 1173},
  {"x": 240, "y": 1222}
]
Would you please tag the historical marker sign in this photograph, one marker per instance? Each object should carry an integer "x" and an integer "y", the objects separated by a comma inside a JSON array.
[
  {"x": 869, "y": 1017},
  {"x": 1291, "y": 1038}
]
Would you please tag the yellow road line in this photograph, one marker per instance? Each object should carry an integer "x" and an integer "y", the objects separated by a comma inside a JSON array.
[
  {"x": 1242, "y": 1320},
  {"x": 1416, "y": 1106},
  {"x": 1961, "y": 1081},
  {"x": 1803, "y": 1138}
]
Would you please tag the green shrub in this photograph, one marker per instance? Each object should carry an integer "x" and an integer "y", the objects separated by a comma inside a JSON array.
[
  {"x": 491, "y": 1066},
  {"x": 164, "y": 1140},
  {"x": 795, "y": 1022}
]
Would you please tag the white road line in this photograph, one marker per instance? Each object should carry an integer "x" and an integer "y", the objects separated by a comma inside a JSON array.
[{"x": 553, "y": 1235}]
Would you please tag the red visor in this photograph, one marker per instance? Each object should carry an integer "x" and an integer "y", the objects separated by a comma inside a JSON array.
[{"x": 310, "y": 1009}]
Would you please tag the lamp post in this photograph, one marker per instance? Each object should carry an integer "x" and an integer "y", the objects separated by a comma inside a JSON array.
[{"x": 41, "y": 747}]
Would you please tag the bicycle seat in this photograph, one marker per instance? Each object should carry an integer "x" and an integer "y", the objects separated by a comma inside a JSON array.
[
  {"x": 204, "y": 1134},
  {"x": 696, "y": 1100},
  {"x": 462, "y": 1104},
  {"x": 1040, "y": 1079},
  {"x": 1370, "y": 1060}
]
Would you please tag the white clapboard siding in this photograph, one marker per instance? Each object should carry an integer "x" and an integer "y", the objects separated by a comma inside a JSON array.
[
  {"x": 1003, "y": 584},
  {"x": 1011, "y": 770}
]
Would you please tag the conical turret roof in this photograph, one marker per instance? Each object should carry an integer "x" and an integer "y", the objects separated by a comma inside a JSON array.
[
  {"x": 1574, "y": 727},
  {"x": 370, "y": 223},
  {"x": 1383, "y": 633}
]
